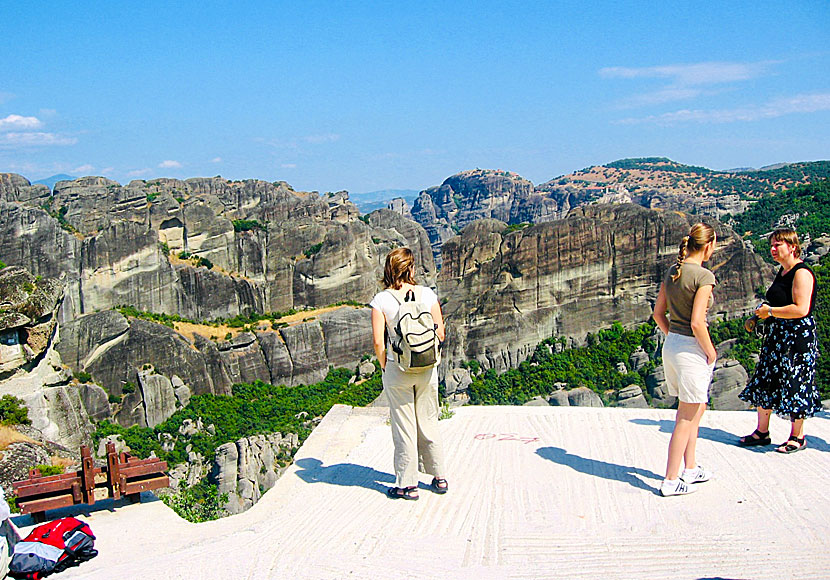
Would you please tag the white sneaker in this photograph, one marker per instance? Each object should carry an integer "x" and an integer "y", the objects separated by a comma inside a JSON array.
[
  {"x": 696, "y": 475},
  {"x": 675, "y": 487}
]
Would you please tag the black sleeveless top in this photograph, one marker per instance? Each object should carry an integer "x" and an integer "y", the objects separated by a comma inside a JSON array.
[{"x": 780, "y": 293}]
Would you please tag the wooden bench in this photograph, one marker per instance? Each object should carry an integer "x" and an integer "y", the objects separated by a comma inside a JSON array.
[{"x": 123, "y": 476}]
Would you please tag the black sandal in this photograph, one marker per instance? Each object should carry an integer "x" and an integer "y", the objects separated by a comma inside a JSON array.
[
  {"x": 410, "y": 493},
  {"x": 755, "y": 438},
  {"x": 792, "y": 445},
  {"x": 439, "y": 485}
]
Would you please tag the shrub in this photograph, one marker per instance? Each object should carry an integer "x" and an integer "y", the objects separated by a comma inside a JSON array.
[
  {"x": 13, "y": 411},
  {"x": 47, "y": 470},
  {"x": 2, "y": 265},
  {"x": 128, "y": 387},
  {"x": 199, "y": 503},
  {"x": 83, "y": 377},
  {"x": 247, "y": 225},
  {"x": 313, "y": 250},
  {"x": 204, "y": 262},
  {"x": 184, "y": 255}
]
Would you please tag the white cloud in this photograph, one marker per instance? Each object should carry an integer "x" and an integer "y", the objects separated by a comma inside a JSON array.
[
  {"x": 805, "y": 103},
  {"x": 288, "y": 165},
  {"x": 317, "y": 139},
  {"x": 686, "y": 81},
  {"x": 138, "y": 172},
  {"x": 704, "y": 73},
  {"x": 84, "y": 169},
  {"x": 19, "y": 122},
  {"x": 35, "y": 139},
  {"x": 107, "y": 170},
  {"x": 216, "y": 160},
  {"x": 170, "y": 164}
]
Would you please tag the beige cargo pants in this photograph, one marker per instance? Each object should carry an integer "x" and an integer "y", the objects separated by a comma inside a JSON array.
[{"x": 413, "y": 412}]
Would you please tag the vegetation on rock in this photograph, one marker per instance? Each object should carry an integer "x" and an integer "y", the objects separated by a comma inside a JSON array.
[
  {"x": 13, "y": 411},
  {"x": 247, "y": 225},
  {"x": 198, "y": 503},
  {"x": 593, "y": 365},
  {"x": 253, "y": 409}
]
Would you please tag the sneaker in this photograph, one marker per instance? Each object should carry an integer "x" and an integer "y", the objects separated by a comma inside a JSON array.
[
  {"x": 696, "y": 475},
  {"x": 675, "y": 487}
]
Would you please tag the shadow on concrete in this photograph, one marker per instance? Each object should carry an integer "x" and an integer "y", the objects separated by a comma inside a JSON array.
[
  {"x": 313, "y": 471},
  {"x": 667, "y": 426},
  {"x": 630, "y": 475},
  {"x": 727, "y": 438},
  {"x": 83, "y": 509}
]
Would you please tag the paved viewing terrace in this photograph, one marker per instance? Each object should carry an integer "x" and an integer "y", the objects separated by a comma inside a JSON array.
[{"x": 535, "y": 492}]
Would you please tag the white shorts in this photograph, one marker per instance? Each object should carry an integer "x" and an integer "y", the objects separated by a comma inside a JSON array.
[{"x": 688, "y": 375}]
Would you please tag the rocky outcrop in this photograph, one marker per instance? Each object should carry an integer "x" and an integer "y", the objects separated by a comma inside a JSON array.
[
  {"x": 155, "y": 370},
  {"x": 15, "y": 187},
  {"x": 28, "y": 305},
  {"x": 584, "y": 397},
  {"x": 398, "y": 231},
  {"x": 505, "y": 291},
  {"x": 16, "y": 461},
  {"x": 247, "y": 468},
  {"x": 657, "y": 389},
  {"x": 202, "y": 248},
  {"x": 728, "y": 380},
  {"x": 632, "y": 397}
]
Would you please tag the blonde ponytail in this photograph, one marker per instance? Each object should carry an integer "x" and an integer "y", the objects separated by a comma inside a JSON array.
[
  {"x": 699, "y": 235},
  {"x": 681, "y": 256}
]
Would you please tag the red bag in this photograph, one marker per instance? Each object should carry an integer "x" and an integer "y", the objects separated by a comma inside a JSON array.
[{"x": 52, "y": 547}]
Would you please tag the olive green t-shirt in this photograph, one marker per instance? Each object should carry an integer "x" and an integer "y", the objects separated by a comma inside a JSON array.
[{"x": 680, "y": 295}]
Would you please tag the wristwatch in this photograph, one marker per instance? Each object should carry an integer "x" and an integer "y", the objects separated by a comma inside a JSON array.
[{"x": 769, "y": 311}]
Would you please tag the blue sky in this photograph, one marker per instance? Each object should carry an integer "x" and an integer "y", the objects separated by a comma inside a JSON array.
[{"x": 374, "y": 95}]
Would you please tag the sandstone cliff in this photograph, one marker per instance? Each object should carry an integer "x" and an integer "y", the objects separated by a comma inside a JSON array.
[
  {"x": 505, "y": 291},
  {"x": 201, "y": 248},
  {"x": 650, "y": 182}
]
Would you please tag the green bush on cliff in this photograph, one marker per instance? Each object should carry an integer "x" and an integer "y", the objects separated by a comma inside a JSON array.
[
  {"x": 310, "y": 251},
  {"x": 247, "y": 225},
  {"x": 13, "y": 411},
  {"x": 199, "y": 503},
  {"x": 253, "y": 409},
  {"x": 2, "y": 264},
  {"x": 746, "y": 344},
  {"x": 593, "y": 366}
]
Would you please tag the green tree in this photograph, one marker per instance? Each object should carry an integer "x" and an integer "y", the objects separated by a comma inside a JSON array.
[{"x": 13, "y": 411}]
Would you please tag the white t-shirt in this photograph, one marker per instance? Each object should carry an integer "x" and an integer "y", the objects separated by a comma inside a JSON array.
[{"x": 386, "y": 303}]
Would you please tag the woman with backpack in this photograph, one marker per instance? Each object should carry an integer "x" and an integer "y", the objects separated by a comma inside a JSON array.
[{"x": 407, "y": 326}]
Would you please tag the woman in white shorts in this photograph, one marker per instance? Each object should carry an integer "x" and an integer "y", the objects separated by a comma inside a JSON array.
[
  {"x": 688, "y": 353},
  {"x": 412, "y": 394}
]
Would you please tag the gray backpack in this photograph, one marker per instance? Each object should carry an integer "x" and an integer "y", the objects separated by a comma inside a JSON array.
[{"x": 415, "y": 342}]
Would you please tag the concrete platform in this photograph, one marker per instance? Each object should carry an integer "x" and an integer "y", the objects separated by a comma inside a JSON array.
[{"x": 535, "y": 492}]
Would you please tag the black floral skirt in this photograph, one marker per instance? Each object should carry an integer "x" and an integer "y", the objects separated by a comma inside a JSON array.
[{"x": 785, "y": 377}]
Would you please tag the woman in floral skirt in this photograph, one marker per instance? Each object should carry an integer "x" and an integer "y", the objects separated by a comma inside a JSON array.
[{"x": 784, "y": 379}]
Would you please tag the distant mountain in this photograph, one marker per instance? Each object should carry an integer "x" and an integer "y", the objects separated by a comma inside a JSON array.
[
  {"x": 373, "y": 200},
  {"x": 52, "y": 180}
]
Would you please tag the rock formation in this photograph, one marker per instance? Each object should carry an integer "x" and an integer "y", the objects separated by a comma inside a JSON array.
[
  {"x": 655, "y": 183},
  {"x": 505, "y": 291},
  {"x": 247, "y": 468},
  {"x": 201, "y": 248},
  {"x": 155, "y": 369}
]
